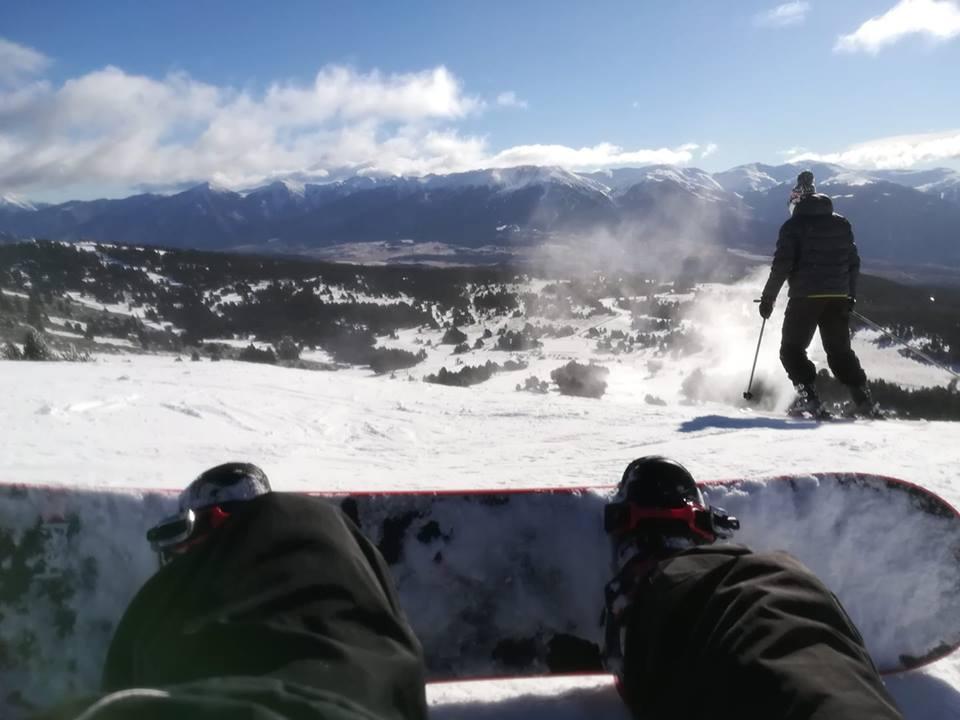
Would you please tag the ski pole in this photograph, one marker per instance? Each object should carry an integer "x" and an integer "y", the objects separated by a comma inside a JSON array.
[
  {"x": 903, "y": 342},
  {"x": 749, "y": 395}
]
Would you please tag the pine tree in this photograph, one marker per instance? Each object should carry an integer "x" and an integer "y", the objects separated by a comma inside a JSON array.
[{"x": 35, "y": 312}]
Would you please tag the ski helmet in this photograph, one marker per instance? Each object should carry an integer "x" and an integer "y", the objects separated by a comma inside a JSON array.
[{"x": 802, "y": 189}]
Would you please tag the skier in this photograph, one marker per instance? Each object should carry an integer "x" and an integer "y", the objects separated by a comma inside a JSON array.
[
  {"x": 274, "y": 606},
  {"x": 816, "y": 254},
  {"x": 697, "y": 630}
]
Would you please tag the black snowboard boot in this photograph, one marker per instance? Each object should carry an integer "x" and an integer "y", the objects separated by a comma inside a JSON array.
[
  {"x": 225, "y": 483},
  {"x": 863, "y": 403},
  {"x": 205, "y": 504},
  {"x": 654, "y": 507},
  {"x": 657, "y": 511},
  {"x": 807, "y": 402}
]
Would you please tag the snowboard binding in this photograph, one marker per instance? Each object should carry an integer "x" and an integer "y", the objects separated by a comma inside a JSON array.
[
  {"x": 204, "y": 506},
  {"x": 658, "y": 510},
  {"x": 659, "y": 497},
  {"x": 178, "y": 533},
  {"x": 703, "y": 523}
]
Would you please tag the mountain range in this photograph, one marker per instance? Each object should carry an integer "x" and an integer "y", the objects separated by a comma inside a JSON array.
[{"x": 899, "y": 216}]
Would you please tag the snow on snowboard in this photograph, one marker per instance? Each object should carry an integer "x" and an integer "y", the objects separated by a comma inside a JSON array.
[{"x": 495, "y": 583}]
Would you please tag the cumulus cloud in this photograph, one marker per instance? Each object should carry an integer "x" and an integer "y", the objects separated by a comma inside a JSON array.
[
  {"x": 112, "y": 128},
  {"x": 17, "y": 61},
  {"x": 892, "y": 153},
  {"x": 510, "y": 99},
  {"x": 709, "y": 150},
  {"x": 936, "y": 19},
  {"x": 785, "y": 15}
]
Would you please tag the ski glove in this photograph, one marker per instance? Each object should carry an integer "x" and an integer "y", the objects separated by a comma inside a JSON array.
[{"x": 766, "y": 307}]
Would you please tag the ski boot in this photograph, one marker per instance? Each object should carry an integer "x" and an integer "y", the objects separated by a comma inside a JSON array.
[
  {"x": 807, "y": 403},
  {"x": 864, "y": 406},
  {"x": 204, "y": 505},
  {"x": 657, "y": 511}
]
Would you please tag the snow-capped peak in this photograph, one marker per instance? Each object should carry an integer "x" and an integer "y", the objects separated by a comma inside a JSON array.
[
  {"x": 852, "y": 178},
  {"x": 292, "y": 188},
  {"x": 207, "y": 188},
  {"x": 513, "y": 178},
  {"x": 747, "y": 178},
  {"x": 16, "y": 203},
  {"x": 692, "y": 179},
  {"x": 295, "y": 187},
  {"x": 525, "y": 175}
]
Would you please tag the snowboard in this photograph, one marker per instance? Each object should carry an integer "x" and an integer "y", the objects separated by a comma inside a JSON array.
[{"x": 494, "y": 582}]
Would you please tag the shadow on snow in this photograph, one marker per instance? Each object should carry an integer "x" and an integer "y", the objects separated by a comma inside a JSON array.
[
  {"x": 924, "y": 696},
  {"x": 706, "y": 422}
]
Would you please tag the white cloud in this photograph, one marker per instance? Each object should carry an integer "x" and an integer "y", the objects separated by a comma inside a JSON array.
[
  {"x": 19, "y": 60},
  {"x": 342, "y": 92},
  {"x": 903, "y": 151},
  {"x": 785, "y": 15},
  {"x": 937, "y": 19},
  {"x": 709, "y": 150},
  {"x": 603, "y": 155},
  {"x": 109, "y": 128},
  {"x": 510, "y": 99}
]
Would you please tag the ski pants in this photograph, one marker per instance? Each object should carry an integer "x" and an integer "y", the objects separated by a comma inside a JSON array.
[
  {"x": 286, "y": 612},
  {"x": 832, "y": 316},
  {"x": 720, "y": 632}
]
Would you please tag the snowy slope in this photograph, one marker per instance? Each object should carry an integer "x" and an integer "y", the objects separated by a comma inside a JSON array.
[
  {"x": 12, "y": 202},
  {"x": 152, "y": 421},
  {"x": 155, "y": 422}
]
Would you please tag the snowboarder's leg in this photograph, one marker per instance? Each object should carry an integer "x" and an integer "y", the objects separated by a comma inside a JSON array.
[
  {"x": 721, "y": 632},
  {"x": 286, "y": 609}
]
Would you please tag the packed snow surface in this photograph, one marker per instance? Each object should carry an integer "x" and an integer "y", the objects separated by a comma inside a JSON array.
[{"x": 149, "y": 421}]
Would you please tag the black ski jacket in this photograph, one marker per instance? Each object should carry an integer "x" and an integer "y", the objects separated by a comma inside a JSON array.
[{"x": 815, "y": 253}]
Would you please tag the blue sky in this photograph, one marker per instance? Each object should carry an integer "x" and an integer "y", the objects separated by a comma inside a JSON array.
[{"x": 106, "y": 98}]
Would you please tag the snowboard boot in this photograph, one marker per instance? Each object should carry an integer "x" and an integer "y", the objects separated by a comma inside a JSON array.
[
  {"x": 807, "y": 402},
  {"x": 863, "y": 403},
  {"x": 204, "y": 505},
  {"x": 657, "y": 511}
]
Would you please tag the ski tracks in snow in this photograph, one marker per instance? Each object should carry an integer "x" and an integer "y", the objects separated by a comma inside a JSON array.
[{"x": 156, "y": 422}]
